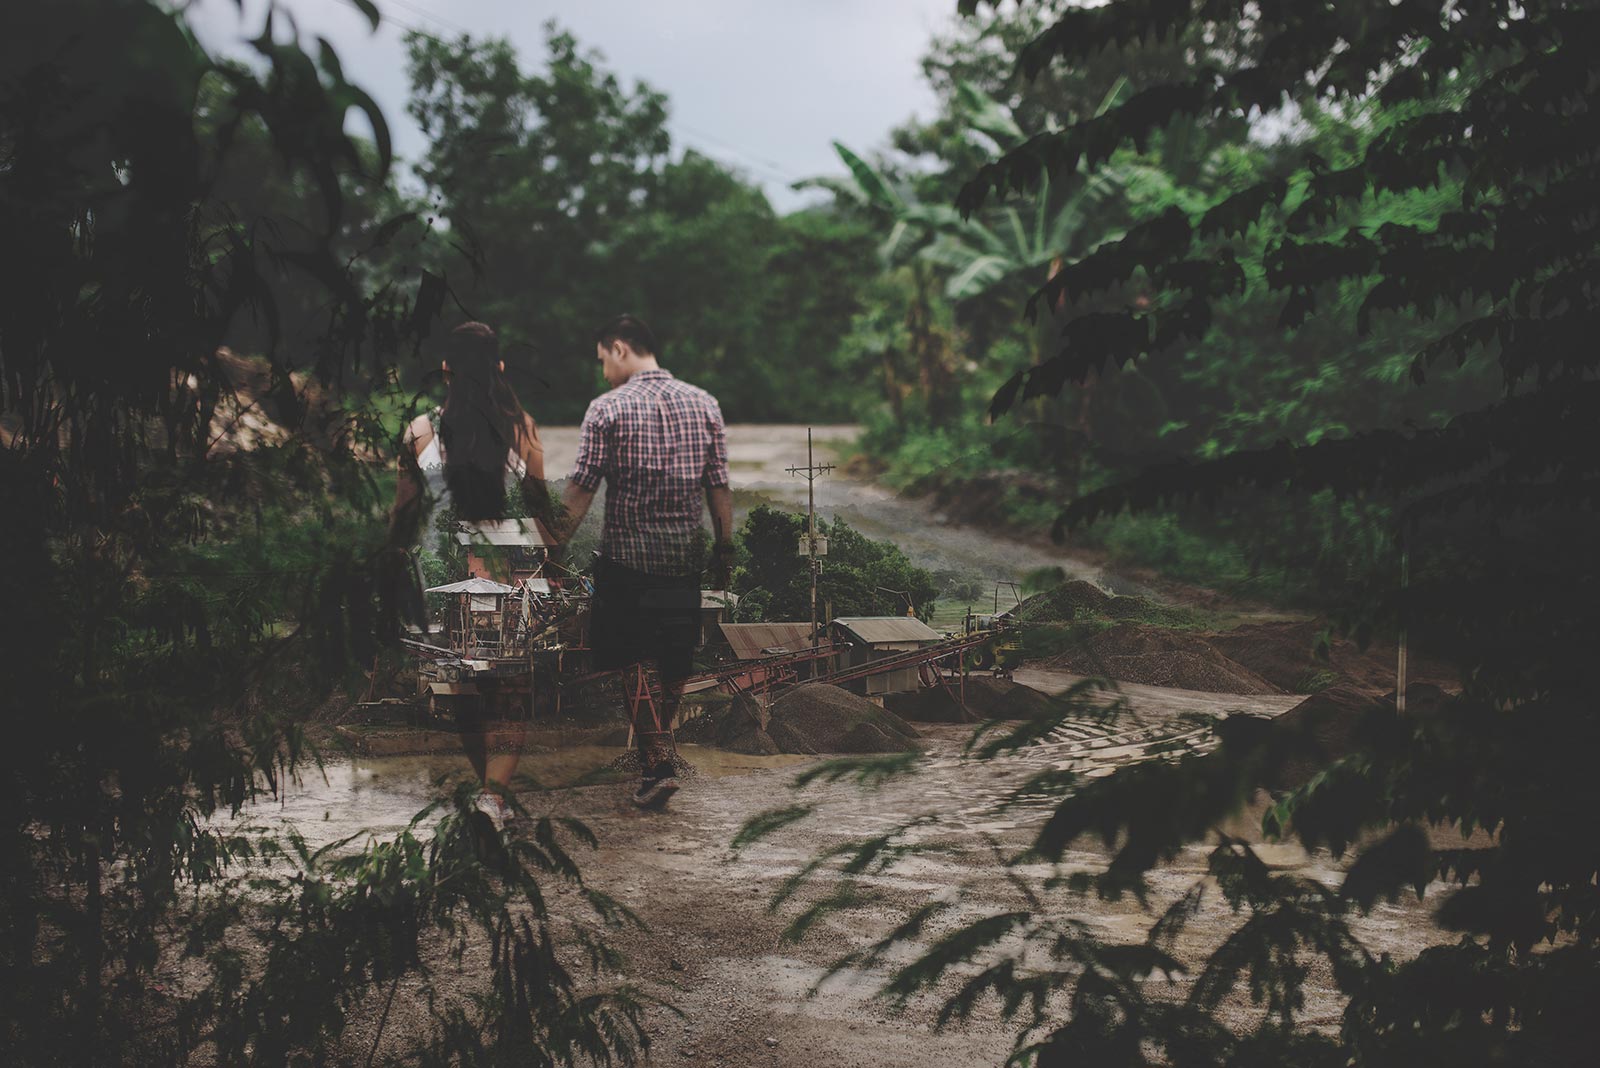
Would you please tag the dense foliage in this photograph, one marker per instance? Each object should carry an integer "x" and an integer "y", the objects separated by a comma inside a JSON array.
[
  {"x": 859, "y": 577},
  {"x": 1455, "y": 225},
  {"x": 192, "y": 557},
  {"x": 1240, "y": 385},
  {"x": 565, "y": 208}
]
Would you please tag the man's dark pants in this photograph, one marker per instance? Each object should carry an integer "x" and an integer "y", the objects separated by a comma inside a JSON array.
[{"x": 635, "y": 617}]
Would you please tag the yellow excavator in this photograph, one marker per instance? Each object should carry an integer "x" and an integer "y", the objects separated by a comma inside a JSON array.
[{"x": 1003, "y": 652}]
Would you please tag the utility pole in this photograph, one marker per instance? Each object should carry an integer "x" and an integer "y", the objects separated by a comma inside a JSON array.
[
  {"x": 1401, "y": 682},
  {"x": 811, "y": 546}
]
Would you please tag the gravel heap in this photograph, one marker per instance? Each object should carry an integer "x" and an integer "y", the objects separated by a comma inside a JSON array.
[
  {"x": 738, "y": 725},
  {"x": 1134, "y": 652},
  {"x": 1062, "y": 603},
  {"x": 987, "y": 698},
  {"x": 1080, "y": 602},
  {"x": 1283, "y": 654},
  {"x": 817, "y": 718},
  {"x": 1329, "y": 725},
  {"x": 992, "y": 698},
  {"x": 933, "y": 705}
]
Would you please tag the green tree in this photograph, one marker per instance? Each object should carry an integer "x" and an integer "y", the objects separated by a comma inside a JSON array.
[
  {"x": 1495, "y": 509},
  {"x": 178, "y": 596},
  {"x": 852, "y": 574},
  {"x": 535, "y": 173},
  {"x": 565, "y": 207}
]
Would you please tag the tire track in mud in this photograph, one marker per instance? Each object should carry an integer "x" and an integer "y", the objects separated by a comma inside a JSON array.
[{"x": 716, "y": 947}]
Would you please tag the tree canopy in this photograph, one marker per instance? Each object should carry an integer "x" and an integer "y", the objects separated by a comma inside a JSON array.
[
  {"x": 1439, "y": 209},
  {"x": 194, "y": 554},
  {"x": 860, "y": 576},
  {"x": 565, "y": 207}
]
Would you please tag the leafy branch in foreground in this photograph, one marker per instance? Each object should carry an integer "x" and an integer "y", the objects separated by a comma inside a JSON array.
[
  {"x": 1493, "y": 103},
  {"x": 385, "y": 912},
  {"x": 194, "y": 550}
]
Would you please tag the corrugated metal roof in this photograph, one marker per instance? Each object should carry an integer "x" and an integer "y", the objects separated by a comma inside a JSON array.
[
  {"x": 521, "y": 532},
  {"x": 875, "y": 630},
  {"x": 749, "y": 639},
  {"x": 472, "y": 585},
  {"x": 718, "y": 599}
]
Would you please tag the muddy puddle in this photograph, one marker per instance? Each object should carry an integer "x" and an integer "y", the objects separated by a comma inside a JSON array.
[
  {"x": 377, "y": 797},
  {"x": 715, "y": 946}
]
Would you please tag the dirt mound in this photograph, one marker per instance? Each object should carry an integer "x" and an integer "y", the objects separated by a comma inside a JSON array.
[
  {"x": 986, "y": 695},
  {"x": 738, "y": 725},
  {"x": 1133, "y": 652},
  {"x": 1024, "y": 702},
  {"x": 817, "y": 718},
  {"x": 987, "y": 698},
  {"x": 930, "y": 706},
  {"x": 1063, "y": 603},
  {"x": 1080, "y": 601},
  {"x": 993, "y": 698},
  {"x": 1283, "y": 654},
  {"x": 1320, "y": 730}
]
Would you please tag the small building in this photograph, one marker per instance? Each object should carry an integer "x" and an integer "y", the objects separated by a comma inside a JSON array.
[
  {"x": 869, "y": 638},
  {"x": 715, "y": 608},
  {"x": 752, "y": 641},
  {"x": 505, "y": 550}
]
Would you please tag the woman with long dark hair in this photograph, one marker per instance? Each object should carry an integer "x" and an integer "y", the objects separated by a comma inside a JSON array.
[{"x": 467, "y": 455}]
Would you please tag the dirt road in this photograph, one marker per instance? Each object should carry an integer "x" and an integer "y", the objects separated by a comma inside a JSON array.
[
  {"x": 758, "y": 459},
  {"x": 717, "y": 952}
]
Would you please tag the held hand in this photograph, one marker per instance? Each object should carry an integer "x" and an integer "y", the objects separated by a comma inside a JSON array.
[{"x": 719, "y": 571}]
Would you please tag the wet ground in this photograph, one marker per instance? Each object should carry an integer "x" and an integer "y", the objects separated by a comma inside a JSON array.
[{"x": 715, "y": 949}]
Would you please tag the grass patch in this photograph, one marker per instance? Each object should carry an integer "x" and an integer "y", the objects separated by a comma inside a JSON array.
[{"x": 1316, "y": 681}]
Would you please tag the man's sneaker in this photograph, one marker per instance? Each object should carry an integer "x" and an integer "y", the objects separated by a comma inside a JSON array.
[
  {"x": 655, "y": 794},
  {"x": 493, "y": 807}
]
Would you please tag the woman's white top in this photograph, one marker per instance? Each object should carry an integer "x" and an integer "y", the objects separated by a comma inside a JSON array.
[{"x": 436, "y": 490}]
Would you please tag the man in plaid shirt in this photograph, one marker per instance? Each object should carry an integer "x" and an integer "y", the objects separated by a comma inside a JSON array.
[{"x": 660, "y": 447}]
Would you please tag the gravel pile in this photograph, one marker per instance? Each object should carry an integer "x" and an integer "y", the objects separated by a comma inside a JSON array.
[
  {"x": 1285, "y": 655},
  {"x": 1132, "y": 652},
  {"x": 1328, "y": 725},
  {"x": 737, "y": 725},
  {"x": 817, "y": 718},
  {"x": 993, "y": 698},
  {"x": 1318, "y": 731},
  {"x": 934, "y": 705},
  {"x": 1063, "y": 603},
  {"x": 1080, "y": 601}
]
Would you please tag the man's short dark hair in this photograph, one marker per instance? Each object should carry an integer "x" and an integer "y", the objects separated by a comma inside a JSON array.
[{"x": 632, "y": 330}]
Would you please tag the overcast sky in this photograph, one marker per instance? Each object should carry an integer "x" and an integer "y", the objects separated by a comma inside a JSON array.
[{"x": 763, "y": 85}]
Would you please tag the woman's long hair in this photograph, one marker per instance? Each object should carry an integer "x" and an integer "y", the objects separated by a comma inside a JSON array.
[{"x": 481, "y": 423}]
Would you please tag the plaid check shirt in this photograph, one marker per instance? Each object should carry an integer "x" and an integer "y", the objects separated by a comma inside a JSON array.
[{"x": 658, "y": 444}]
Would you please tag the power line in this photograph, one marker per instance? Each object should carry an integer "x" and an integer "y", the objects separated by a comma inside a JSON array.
[
  {"x": 390, "y": 18},
  {"x": 418, "y": 9},
  {"x": 749, "y": 157}
]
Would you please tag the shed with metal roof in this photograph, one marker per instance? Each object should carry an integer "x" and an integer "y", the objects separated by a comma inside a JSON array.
[
  {"x": 872, "y": 638},
  {"x": 896, "y": 633},
  {"x": 750, "y": 641}
]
